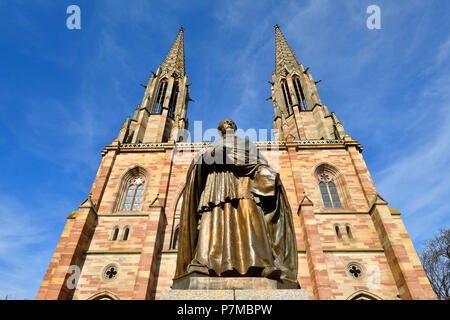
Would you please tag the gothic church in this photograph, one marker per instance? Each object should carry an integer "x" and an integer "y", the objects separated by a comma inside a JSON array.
[{"x": 122, "y": 240}]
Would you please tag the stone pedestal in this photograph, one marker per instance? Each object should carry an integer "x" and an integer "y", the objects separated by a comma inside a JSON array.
[
  {"x": 213, "y": 288},
  {"x": 215, "y": 283},
  {"x": 238, "y": 294}
]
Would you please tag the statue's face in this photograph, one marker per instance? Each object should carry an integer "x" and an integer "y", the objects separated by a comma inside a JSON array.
[{"x": 227, "y": 125}]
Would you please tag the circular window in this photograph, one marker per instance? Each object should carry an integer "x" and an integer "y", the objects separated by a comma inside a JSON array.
[
  {"x": 110, "y": 272},
  {"x": 355, "y": 270}
]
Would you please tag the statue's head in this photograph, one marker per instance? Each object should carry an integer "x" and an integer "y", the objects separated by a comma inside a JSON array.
[{"x": 227, "y": 126}]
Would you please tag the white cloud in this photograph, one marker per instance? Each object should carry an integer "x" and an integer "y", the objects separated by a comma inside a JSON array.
[
  {"x": 418, "y": 181},
  {"x": 28, "y": 238}
]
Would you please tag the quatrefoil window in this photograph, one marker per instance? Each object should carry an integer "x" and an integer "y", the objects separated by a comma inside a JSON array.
[
  {"x": 110, "y": 272},
  {"x": 355, "y": 270}
]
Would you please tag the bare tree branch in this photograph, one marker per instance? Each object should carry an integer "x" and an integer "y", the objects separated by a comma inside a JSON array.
[{"x": 436, "y": 262}]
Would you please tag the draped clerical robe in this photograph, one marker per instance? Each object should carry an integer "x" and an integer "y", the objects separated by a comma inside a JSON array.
[{"x": 235, "y": 218}]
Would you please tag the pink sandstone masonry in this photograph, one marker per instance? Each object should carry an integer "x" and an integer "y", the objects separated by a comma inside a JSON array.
[
  {"x": 146, "y": 259},
  {"x": 357, "y": 250}
]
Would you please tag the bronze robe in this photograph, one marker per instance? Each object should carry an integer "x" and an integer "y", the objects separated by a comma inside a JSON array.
[{"x": 235, "y": 217}]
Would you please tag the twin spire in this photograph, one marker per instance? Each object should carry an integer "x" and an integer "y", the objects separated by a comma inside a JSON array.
[
  {"x": 284, "y": 56},
  {"x": 175, "y": 58}
]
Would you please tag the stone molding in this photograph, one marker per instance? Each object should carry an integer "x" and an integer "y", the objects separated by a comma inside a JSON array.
[
  {"x": 123, "y": 214},
  {"x": 112, "y": 252},
  {"x": 360, "y": 250},
  {"x": 159, "y": 146}
]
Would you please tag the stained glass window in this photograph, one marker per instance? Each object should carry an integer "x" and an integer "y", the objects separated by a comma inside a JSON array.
[
  {"x": 138, "y": 198},
  {"x": 134, "y": 195},
  {"x": 325, "y": 195},
  {"x": 330, "y": 195},
  {"x": 334, "y": 195}
]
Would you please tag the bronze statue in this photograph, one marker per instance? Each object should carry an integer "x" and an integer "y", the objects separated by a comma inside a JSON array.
[{"x": 235, "y": 218}]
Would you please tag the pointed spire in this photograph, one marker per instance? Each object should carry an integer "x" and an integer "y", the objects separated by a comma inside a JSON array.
[
  {"x": 175, "y": 58},
  {"x": 126, "y": 123},
  {"x": 136, "y": 113},
  {"x": 284, "y": 56}
]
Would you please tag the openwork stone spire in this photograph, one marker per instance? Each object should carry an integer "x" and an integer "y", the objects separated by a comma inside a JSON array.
[
  {"x": 175, "y": 58},
  {"x": 284, "y": 56}
]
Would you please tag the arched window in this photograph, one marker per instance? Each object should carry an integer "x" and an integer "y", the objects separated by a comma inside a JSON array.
[
  {"x": 173, "y": 244},
  {"x": 115, "y": 234},
  {"x": 126, "y": 232},
  {"x": 338, "y": 231},
  {"x": 160, "y": 97},
  {"x": 173, "y": 99},
  {"x": 363, "y": 295},
  {"x": 287, "y": 96},
  {"x": 175, "y": 238},
  {"x": 329, "y": 192},
  {"x": 299, "y": 93},
  {"x": 134, "y": 195},
  {"x": 349, "y": 232},
  {"x": 332, "y": 187},
  {"x": 105, "y": 295}
]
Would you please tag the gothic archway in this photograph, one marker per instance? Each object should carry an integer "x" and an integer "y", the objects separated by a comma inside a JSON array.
[
  {"x": 337, "y": 178},
  {"x": 363, "y": 295},
  {"x": 104, "y": 295}
]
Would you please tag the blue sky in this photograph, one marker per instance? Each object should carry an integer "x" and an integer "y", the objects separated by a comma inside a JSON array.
[{"x": 65, "y": 93}]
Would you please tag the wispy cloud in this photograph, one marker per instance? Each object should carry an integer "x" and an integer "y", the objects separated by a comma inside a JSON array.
[
  {"x": 28, "y": 238},
  {"x": 418, "y": 178}
]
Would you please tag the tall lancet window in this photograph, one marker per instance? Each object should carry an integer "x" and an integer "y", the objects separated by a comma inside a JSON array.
[
  {"x": 287, "y": 96},
  {"x": 329, "y": 192},
  {"x": 160, "y": 97},
  {"x": 173, "y": 99},
  {"x": 134, "y": 195},
  {"x": 299, "y": 93}
]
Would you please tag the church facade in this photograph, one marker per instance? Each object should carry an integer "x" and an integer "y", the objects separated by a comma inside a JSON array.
[{"x": 122, "y": 241}]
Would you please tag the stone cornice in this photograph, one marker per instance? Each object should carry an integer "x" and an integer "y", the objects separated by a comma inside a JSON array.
[
  {"x": 170, "y": 251},
  {"x": 359, "y": 250},
  {"x": 112, "y": 252},
  {"x": 271, "y": 144},
  {"x": 123, "y": 214},
  {"x": 334, "y": 212},
  {"x": 347, "y": 250}
]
